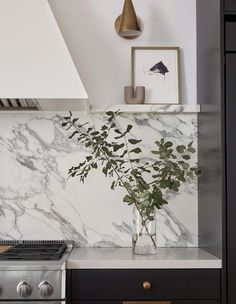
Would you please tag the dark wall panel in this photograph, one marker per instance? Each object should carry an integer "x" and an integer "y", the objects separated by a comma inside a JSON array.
[{"x": 209, "y": 121}]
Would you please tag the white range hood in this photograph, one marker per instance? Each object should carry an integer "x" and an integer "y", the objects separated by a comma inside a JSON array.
[{"x": 34, "y": 60}]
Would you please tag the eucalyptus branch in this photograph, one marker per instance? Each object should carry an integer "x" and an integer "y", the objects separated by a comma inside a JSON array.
[{"x": 145, "y": 183}]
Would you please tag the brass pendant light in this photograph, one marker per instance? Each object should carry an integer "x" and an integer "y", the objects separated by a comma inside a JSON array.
[{"x": 128, "y": 25}]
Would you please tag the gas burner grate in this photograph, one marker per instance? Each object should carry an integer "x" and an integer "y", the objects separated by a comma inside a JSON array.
[{"x": 33, "y": 250}]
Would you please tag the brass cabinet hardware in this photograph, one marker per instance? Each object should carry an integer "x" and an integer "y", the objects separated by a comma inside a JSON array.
[{"x": 146, "y": 285}]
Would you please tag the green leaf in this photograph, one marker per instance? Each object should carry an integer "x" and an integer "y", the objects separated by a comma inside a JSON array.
[
  {"x": 129, "y": 128},
  {"x": 190, "y": 174},
  {"x": 73, "y": 134},
  {"x": 128, "y": 199},
  {"x": 109, "y": 113},
  {"x": 190, "y": 144},
  {"x": 175, "y": 186},
  {"x": 88, "y": 144},
  {"x": 118, "y": 147},
  {"x": 128, "y": 186},
  {"x": 120, "y": 136},
  {"x": 185, "y": 166},
  {"x": 113, "y": 162},
  {"x": 136, "y": 150},
  {"x": 191, "y": 150},
  {"x": 186, "y": 157},
  {"x": 64, "y": 124},
  {"x": 113, "y": 185},
  {"x": 164, "y": 184},
  {"x": 117, "y": 131},
  {"x": 168, "y": 144},
  {"x": 104, "y": 170},
  {"x": 144, "y": 195},
  {"x": 180, "y": 149},
  {"x": 134, "y": 141},
  {"x": 75, "y": 120},
  {"x": 123, "y": 154},
  {"x": 68, "y": 117},
  {"x": 94, "y": 165}
]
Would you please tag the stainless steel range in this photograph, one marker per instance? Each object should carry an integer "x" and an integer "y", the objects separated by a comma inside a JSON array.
[{"x": 33, "y": 271}]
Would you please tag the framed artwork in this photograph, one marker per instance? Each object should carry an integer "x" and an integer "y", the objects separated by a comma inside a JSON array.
[{"x": 157, "y": 68}]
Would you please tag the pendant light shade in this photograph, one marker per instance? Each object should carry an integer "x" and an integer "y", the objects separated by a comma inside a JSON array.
[{"x": 128, "y": 25}]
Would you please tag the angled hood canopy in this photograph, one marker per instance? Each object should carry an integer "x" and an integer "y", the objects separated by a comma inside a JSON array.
[{"x": 34, "y": 59}]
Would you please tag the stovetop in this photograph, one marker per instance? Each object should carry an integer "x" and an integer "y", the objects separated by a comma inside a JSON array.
[
  {"x": 31, "y": 250},
  {"x": 38, "y": 263},
  {"x": 33, "y": 270}
]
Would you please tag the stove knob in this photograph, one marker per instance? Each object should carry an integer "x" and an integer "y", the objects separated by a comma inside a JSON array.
[
  {"x": 45, "y": 289},
  {"x": 24, "y": 289}
]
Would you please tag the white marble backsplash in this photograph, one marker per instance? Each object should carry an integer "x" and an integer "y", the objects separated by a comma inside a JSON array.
[{"x": 37, "y": 201}]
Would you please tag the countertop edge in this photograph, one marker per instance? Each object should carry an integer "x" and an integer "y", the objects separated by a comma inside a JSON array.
[{"x": 207, "y": 264}]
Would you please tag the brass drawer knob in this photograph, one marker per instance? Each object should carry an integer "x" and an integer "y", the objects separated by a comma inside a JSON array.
[{"x": 146, "y": 285}]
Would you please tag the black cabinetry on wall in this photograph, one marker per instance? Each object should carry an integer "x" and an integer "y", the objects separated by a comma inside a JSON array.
[
  {"x": 229, "y": 135},
  {"x": 230, "y": 5},
  {"x": 230, "y": 78}
]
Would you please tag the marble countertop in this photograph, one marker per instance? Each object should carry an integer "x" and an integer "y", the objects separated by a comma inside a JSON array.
[{"x": 121, "y": 258}]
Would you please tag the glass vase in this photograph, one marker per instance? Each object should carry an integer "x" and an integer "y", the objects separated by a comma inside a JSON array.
[{"x": 144, "y": 234}]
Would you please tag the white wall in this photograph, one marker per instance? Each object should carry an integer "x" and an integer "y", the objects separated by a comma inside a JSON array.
[{"x": 103, "y": 58}]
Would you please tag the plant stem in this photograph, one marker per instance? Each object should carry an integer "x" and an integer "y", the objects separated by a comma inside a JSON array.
[{"x": 145, "y": 225}]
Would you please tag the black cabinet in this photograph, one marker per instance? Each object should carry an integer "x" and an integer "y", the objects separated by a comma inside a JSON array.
[
  {"x": 230, "y": 31},
  {"x": 96, "y": 302},
  {"x": 177, "y": 286},
  {"x": 196, "y": 302},
  {"x": 230, "y": 168},
  {"x": 229, "y": 133},
  {"x": 148, "y": 302},
  {"x": 230, "y": 5}
]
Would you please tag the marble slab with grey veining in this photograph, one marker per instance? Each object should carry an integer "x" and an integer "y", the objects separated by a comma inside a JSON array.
[
  {"x": 38, "y": 201},
  {"x": 151, "y": 108}
]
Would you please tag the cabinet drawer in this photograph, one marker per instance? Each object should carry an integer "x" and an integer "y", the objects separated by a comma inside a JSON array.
[
  {"x": 128, "y": 284},
  {"x": 197, "y": 302},
  {"x": 149, "y": 302},
  {"x": 230, "y": 34}
]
